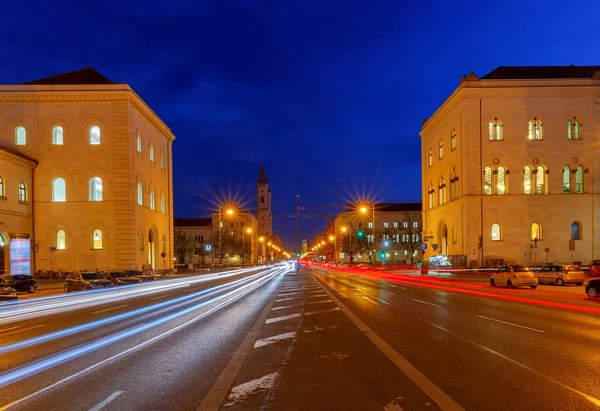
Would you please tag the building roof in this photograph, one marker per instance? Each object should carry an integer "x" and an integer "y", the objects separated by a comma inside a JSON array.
[
  {"x": 192, "y": 222},
  {"x": 10, "y": 150},
  {"x": 262, "y": 176},
  {"x": 541, "y": 72},
  {"x": 82, "y": 76}
]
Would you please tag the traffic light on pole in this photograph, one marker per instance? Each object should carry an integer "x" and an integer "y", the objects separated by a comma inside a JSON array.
[{"x": 360, "y": 233}]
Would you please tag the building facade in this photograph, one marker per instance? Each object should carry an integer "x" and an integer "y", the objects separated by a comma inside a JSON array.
[
  {"x": 100, "y": 195},
  {"x": 508, "y": 167}
]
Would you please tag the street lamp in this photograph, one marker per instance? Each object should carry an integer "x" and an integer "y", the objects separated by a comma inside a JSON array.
[
  {"x": 262, "y": 247},
  {"x": 229, "y": 212},
  {"x": 249, "y": 231},
  {"x": 364, "y": 210}
]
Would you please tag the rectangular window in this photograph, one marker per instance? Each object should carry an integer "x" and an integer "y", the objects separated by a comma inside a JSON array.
[
  {"x": 405, "y": 224},
  {"x": 385, "y": 224},
  {"x": 395, "y": 224},
  {"x": 415, "y": 224},
  {"x": 370, "y": 224}
]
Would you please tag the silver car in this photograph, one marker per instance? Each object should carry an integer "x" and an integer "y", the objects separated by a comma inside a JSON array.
[
  {"x": 514, "y": 276},
  {"x": 561, "y": 274}
]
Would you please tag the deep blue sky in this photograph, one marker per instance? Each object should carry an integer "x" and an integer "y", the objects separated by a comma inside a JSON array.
[{"x": 328, "y": 95}]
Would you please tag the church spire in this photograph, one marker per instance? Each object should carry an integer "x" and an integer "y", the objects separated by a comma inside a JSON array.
[{"x": 262, "y": 176}]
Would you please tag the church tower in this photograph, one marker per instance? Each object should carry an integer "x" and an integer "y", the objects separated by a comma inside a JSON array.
[{"x": 263, "y": 204}]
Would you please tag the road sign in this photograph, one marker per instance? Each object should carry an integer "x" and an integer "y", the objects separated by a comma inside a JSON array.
[
  {"x": 386, "y": 243},
  {"x": 208, "y": 247},
  {"x": 423, "y": 246},
  {"x": 434, "y": 246}
]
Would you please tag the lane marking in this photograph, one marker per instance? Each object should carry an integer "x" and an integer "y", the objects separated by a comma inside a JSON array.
[
  {"x": 8, "y": 329},
  {"x": 20, "y": 330},
  {"x": 288, "y": 299},
  {"x": 387, "y": 292},
  {"x": 514, "y": 325},
  {"x": 322, "y": 311},
  {"x": 316, "y": 295},
  {"x": 288, "y": 294},
  {"x": 443, "y": 400},
  {"x": 250, "y": 388},
  {"x": 369, "y": 300},
  {"x": 161, "y": 297},
  {"x": 104, "y": 403},
  {"x": 319, "y": 302},
  {"x": 425, "y": 302},
  {"x": 283, "y": 318},
  {"x": 591, "y": 399},
  {"x": 110, "y": 309},
  {"x": 274, "y": 339},
  {"x": 283, "y": 307}
]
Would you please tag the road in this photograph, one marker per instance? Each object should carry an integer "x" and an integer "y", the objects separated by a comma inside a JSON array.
[{"x": 269, "y": 338}]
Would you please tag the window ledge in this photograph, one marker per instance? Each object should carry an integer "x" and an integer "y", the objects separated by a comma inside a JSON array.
[
  {"x": 23, "y": 202},
  {"x": 2, "y": 197}
]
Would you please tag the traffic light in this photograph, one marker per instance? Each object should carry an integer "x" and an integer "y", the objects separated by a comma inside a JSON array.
[
  {"x": 382, "y": 255},
  {"x": 297, "y": 254},
  {"x": 360, "y": 233}
]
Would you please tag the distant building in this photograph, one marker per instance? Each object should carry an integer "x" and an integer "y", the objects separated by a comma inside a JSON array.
[
  {"x": 263, "y": 204},
  {"x": 508, "y": 167},
  {"x": 85, "y": 176},
  {"x": 194, "y": 241}
]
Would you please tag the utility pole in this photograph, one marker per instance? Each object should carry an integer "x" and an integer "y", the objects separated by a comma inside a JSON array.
[{"x": 297, "y": 225}]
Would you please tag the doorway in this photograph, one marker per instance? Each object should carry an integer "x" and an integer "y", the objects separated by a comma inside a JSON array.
[{"x": 151, "y": 255}]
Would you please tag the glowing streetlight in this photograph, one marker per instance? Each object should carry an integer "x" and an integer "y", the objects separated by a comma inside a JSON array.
[
  {"x": 229, "y": 211},
  {"x": 344, "y": 229},
  {"x": 331, "y": 238},
  {"x": 363, "y": 210}
]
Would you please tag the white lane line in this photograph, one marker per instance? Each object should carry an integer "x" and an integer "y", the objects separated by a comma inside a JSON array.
[
  {"x": 369, "y": 300},
  {"x": 322, "y": 311},
  {"x": 8, "y": 329},
  {"x": 514, "y": 325},
  {"x": 104, "y": 403},
  {"x": 20, "y": 330},
  {"x": 274, "y": 339},
  {"x": 591, "y": 399},
  {"x": 443, "y": 400},
  {"x": 285, "y": 317},
  {"x": 161, "y": 297},
  {"x": 110, "y": 309},
  {"x": 252, "y": 387},
  {"x": 387, "y": 292},
  {"x": 314, "y": 292},
  {"x": 283, "y": 307},
  {"x": 319, "y": 302},
  {"x": 317, "y": 295},
  {"x": 425, "y": 302},
  {"x": 288, "y": 294},
  {"x": 288, "y": 299}
]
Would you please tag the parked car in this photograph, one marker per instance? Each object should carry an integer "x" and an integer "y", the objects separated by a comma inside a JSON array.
[
  {"x": 120, "y": 278},
  {"x": 86, "y": 281},
  {"x": 561, "y": 274},
  {"x": 594, "y": 268},
  {"x": 140, "y": 275},
  {"x": 7, "y": 292},
  {"x": 21, "y": 282},
  {"x": 514, "y": 276},
  {"x": 592, "y": 287}
]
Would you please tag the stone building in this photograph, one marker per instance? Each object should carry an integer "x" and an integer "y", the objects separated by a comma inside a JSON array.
[
  {"x": 508, "y": 167},
  {"x": 85, "y": 169}
]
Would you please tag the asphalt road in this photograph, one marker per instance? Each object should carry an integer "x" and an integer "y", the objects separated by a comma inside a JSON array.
[{"x": 321, "y": 340}]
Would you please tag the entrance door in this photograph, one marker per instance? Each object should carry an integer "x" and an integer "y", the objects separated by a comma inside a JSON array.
[
  {"x": 151, "y": 249},
  {"x": 444, "y": 240}
]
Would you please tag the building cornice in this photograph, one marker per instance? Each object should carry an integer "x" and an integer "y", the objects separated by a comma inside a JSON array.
[
  {"x": 16, "y": 158},
  {"x": 68, "y": 94}
]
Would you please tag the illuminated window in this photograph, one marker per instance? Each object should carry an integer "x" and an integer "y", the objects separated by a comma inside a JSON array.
[
  {"x": 162, "y": 204},
  {"x": 566, "y": 180},
  {"x": 579, "y": 180},
  {"x": 95, "y": 189},
  {"x": 139, "y": 143},
  {"x": 536, "y": 231},
  {"x": 431, "y": 196},
  {"x": 151, "y": 154},
  {"x": 395, "y": 225},
  {"x": 527, "y": 180},
  {"x": 576, "y": 230},
  {"x": 59, "y": 190},
  {"x": 496, "y": 232},
  {"x": 574, "y": 129},
  {"x": 20, "y": 136},
  {"x": 405, "y": 224},
  {"x": 453, "y": 140},
  {"x": 57, "y": 136},
  {"x": 415, "y": 224},
  {"x": 60, "y": 240},
  {"x": 386, "y": 224},
  {"x": 540, "y": 181},
  {"x": 94, "y": 135},
  {"x": 495, "y": 130},
  {"x": 97, "y": 240},
  {"x": 441, "y": 149},
  {"x": 140, "y": 194},
  {"x": 535, "y": 129},
  {"x": 501, "y": 181},
  {"x": 152, "y": 205},
  {"x": 430, "y": 158},
  {"x": 1, "y": 187},
  {"x": 370, "y": 224},
  {"x": 487, "y": 186},
  {"x": 22, "y": 192}
]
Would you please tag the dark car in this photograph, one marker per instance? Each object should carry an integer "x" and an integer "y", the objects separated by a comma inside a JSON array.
[
  {"x": 21, "y": 282},
  {"x": 120, "y": 278},
  {"x": 592, "y": 287},
  {"x": 86, "y": 281},
  {"x": 7, "y": 292},
  {"x": 594, "y": 268},
  {"x": 140, "y": 275}
]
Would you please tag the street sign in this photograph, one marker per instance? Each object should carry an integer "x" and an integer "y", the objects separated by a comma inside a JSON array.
[
  {"x": 208, "y": 247},
  {"x": 386, "y": 243},
  {"x": 423, "y": 246},
  {"x": 434, "y": 246}
]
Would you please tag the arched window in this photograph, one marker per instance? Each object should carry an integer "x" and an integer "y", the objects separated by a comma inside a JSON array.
[
  {"x": 162, "y": 161},
  {"x": 574, "y": 129},
  {"x": 452, "y": 198},
  {"x": 95, "y": 135},
  {"x": 496, "y": 232},
  {"x": 566, "y": 180},
  {"x": 162, "y": 204},
  {"x": 535, "y": 129},
  {"x": 96, "y": 189},
  {"x": 140, "y": 194},
  {"x": 60, "y": 240},
  {"x": 487, "y": 185},
  {"x": 139, "y": 143},
  {"x": 430, "y": 158},
  {"x": 576, "y": 231},
  {"x": 495, "y": 129},
  {"x": 454, "y": 235},
  {"x": 501, "y": 185},
  {"x": 579, "y": 180},
  {"x": 453, "y": 140},
  {"x": 151, "y": 153},
  {"x": 441, "y": 149},
  {"x": 527, "y": 180},
  {"x": 141, "y": 239},
  {"x": 59, "y": 190},
  {"x": 536, "y": 231},
  {"x": 540, "y": 181},
  {"x": 1, "y": 187},
  {"x": 152, "y": 205},
  {"x": 20, "y": 136},
  {"x": 97, "y": 240},
  {"x": 22, "y": 192},
  {"x": 431, "y": 195},
  {"x": 57, "y": 136}
]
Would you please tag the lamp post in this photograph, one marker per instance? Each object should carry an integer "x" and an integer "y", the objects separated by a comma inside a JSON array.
[
  {"x": 229, "y": 211},
  {"x": 244, "y": 231},
  {"x": 332, "y": 238},
  {"x": 364, "y": 210}
]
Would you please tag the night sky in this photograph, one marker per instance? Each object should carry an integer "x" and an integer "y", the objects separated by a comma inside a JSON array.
[{"x": 328, "y": 95}]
